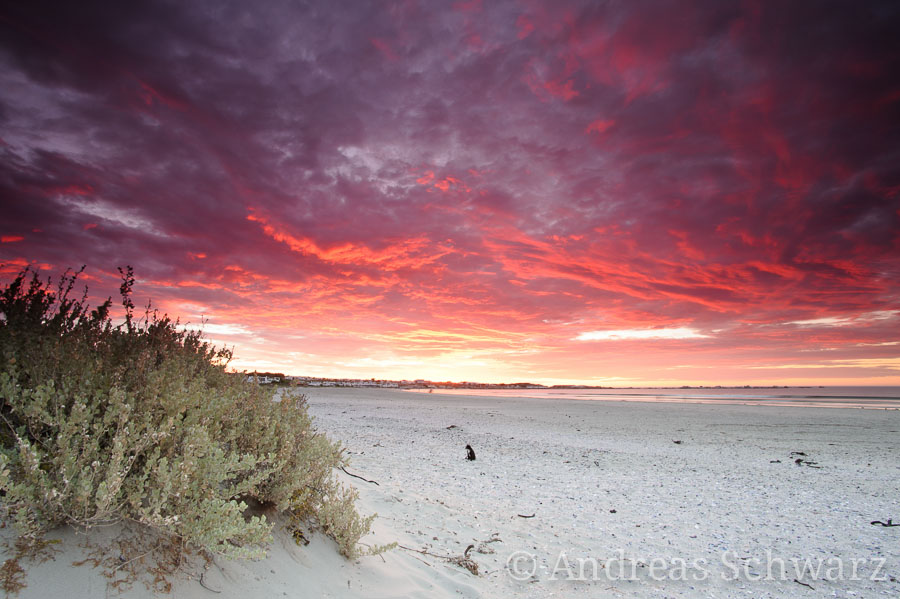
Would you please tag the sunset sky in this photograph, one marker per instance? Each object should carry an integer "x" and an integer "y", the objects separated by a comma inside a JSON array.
[{"x": 612, "y": 193}]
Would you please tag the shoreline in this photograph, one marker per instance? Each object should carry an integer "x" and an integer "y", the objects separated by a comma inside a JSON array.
[{"x": 716, "y": 396}]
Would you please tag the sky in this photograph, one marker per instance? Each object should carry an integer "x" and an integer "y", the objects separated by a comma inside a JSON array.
[{"x": 612, "y": 193}]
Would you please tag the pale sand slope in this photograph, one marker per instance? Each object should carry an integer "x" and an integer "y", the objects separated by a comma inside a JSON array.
[
  {"x": 717, "y": 496},
  {"x": 570, "y": 462},
  {"x": 310, "y": 572}
]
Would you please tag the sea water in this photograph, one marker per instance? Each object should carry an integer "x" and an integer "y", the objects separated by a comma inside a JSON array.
[{"x": 820, "y": 397}]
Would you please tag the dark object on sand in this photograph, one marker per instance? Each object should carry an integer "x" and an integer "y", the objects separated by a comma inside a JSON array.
[
  {"x": 452, "y": 426},
  {"x": 890, "y": 522},
  {"x": 359, "y": 477},
  {"x": 802, "y": 461},
  {"x": 677, "y": 442},
  {"x": 523, "y": 516},
  {"x": 470, "y": 453}
]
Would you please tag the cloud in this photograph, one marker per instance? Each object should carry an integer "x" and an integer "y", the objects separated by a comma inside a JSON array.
[
  {"x": 829, "y": 321},
  {"x": 889, "y": 364},
  {"x": 486, "y": 173},
  {"x": 843, "y": 321},
  {"x": 115, "y": 215},
  {"x": 625, "y": 334}
]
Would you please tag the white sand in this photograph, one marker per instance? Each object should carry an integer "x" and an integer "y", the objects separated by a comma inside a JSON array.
[{"x": 715, "y": 501}]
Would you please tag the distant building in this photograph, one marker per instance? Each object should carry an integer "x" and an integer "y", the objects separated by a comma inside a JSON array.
[{"x": 263, "y": 378}]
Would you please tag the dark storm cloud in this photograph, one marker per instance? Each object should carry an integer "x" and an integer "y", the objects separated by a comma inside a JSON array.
[{"x": 656, "y": 162}]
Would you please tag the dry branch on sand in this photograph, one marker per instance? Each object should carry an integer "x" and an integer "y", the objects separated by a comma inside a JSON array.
[{"x": 463, "y": 561}]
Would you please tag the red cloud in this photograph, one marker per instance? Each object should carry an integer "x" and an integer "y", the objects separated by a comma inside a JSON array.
[
  {"x": 599, "y": 126},
  {"x": 536, "y": 172},
  {"x": 384, "y": 48}
]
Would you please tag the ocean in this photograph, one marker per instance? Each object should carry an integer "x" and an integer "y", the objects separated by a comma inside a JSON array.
[{"x": 817, "y": 397}]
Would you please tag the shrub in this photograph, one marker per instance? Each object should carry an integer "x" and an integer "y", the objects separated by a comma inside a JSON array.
[{"x": 141, "y": 422}]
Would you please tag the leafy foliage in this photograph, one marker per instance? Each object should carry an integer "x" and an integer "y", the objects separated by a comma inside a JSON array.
[{"x": 141, "y": 422}]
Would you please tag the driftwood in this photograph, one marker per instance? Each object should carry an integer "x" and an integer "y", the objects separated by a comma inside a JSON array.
[
  {"x": 523, "y": 516},
  {"x": 463, "y": 560},
  {"x": 804, "y": 584}
]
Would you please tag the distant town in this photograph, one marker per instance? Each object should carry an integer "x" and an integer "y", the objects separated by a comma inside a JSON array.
[
  {"x": 265, "y": 378},
  {"x": 278, "y": 378}
]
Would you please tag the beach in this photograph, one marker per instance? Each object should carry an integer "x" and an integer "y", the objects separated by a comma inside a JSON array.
[
  {"x": 607, "y": 478},
  {"x": 573, "y": 498}
]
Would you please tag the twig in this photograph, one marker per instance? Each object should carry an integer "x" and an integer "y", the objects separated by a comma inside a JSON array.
[
  {"x": 123, "y": 563},
  {"x": 203, "y": 584},
  {"x": 369, "y": 546},
  {"x": 423, "y": 552},
  {"x": 460, "y": 560},
  {"x": 890, "y": 522},
  {"x": 523, "y": 516},
  {"x": 463, "y": 561},
  {"x": 359, "y": 477},
  {"x": 804, "y": 584},
  {"x": 483, "y": 547},
  {"x": 421, "y": 560}
]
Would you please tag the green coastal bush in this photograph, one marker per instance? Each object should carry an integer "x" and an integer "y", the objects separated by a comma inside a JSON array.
[{"x": 140, "y": 422}]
